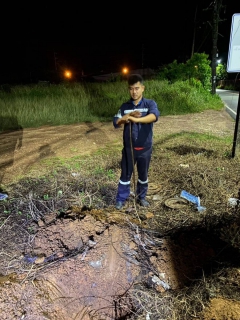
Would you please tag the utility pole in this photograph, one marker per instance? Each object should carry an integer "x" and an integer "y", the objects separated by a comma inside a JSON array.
[
  {"x": 216, "y": 9},
  {"x": 55, "y": 61},
  {"x": 194, "y": 32},
  {"x": 142, "y": 55}
]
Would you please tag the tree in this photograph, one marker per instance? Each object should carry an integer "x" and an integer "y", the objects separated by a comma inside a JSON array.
[
  {"x": 197, "y": 67},
  {"x": 172, "y": 72},
  {"x": 221, "y": 71}
]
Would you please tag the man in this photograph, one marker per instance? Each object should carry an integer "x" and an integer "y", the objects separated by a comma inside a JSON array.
[{"x": 137, "y": 115}]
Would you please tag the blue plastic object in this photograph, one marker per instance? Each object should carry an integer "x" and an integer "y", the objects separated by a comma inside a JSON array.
[
  {"x": 195, "y": 200},
  {"x": 3, "y": 196},
  {"x": 30, "y": 259}
]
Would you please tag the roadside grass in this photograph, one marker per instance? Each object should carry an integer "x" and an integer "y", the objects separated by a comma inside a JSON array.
[
  {"x": 35, "y": 106},
  {"x": 181, "y": 97}
]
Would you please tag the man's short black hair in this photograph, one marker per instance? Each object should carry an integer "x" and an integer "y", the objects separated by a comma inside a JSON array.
[{"x": 134, "y": 78}]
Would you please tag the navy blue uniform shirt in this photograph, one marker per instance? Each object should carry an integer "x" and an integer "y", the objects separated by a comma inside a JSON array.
[{"x": 142, "y": 133}]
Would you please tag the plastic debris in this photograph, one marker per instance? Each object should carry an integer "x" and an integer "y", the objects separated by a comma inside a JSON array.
[
  {"x": 95, "y": 264},
  {"x": 40, "y": 260},
  {"x": 91, "y": 243},
  {"x": 75, "y": 174},
  {"x": 159, "y": 282},
  {"x": 3, "y": 196},
  {"x": 184, "y": 165},
  {"x": 195, "y": 200},
  {"x": 30, "y": 259},
  {"x": 51, "y": 258},
  {"x": 233, "y": 202},
  {"x": 148, "y": 316},
  {"x": 156, "y": 197}
]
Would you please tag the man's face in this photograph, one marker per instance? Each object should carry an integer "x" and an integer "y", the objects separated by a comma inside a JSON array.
[{"x": 136, "y": 91}]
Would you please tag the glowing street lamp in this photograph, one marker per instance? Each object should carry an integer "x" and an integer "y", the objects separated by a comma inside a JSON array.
[
  {"x": 125, "y": 70},
  {"x": 68, "y": 74}
]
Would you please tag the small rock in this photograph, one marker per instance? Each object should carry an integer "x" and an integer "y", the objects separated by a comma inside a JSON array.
[
  {"x": 39, "y": 260},
  {"x": 50, "y": 217},
  {"x": 41, "y": 223},
  {"x": 149, "y": 215},
  {"x": 157, "y": 197},
  {"x": 184, "y": 165}
]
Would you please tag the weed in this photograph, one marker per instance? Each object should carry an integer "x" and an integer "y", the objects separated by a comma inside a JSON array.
[
  {"x": 220, "y": 169},
  {"x": 99, "y": 171},
  {"x": 31, "y": 230},
  {"x": 111, "y": 174}
]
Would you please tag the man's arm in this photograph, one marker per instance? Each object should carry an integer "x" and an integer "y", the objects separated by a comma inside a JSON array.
[
  {"x": 122, "y": 120},
  {"x": 125, "y": 118},
  {"x": 147, "y": 119}
]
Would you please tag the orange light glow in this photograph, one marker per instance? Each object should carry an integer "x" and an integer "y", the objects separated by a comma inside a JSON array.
[
  {"x": 125, "y": 70},
  {"x": 68, "y": 74}
]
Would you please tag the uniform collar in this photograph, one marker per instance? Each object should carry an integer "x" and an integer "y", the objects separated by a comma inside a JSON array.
[{"x": 138, "y": 102}]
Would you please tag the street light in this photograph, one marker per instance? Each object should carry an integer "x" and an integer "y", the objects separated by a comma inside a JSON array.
[{"x": 68, "y": 74}]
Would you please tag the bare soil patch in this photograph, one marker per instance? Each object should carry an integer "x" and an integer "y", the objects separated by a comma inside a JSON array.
[{"x": 70, "y": 255}]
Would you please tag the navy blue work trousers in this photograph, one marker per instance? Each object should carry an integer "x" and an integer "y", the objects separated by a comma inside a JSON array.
[{"x": 142, "y": 160}]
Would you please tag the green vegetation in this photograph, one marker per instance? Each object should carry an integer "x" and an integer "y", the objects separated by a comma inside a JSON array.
[
  {"x": 195, "y": 70},
  {"x": 71, "y": 103},
  {"x": 222, "y": 71},
  {"x": 182, "y": 97}
]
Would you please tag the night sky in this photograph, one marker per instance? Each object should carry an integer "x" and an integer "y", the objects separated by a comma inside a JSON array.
[{"x": 39, "y": 39}]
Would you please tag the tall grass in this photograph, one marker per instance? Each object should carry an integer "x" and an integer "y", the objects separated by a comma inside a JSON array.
[
  {"x": 69, "y": 103},
  {"x": 181, "y": 97}
]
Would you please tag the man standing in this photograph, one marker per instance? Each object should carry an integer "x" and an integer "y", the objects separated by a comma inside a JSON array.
[{"x": 137, "y": 115}]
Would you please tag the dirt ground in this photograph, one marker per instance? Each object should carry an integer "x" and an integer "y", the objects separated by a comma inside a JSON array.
[
  {"x": 90, "y": 264},
  {"x": 85, "y": 138}
]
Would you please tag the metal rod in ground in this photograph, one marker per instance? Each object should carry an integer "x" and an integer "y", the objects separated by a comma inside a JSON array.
[{"x": 134, "y": 182}]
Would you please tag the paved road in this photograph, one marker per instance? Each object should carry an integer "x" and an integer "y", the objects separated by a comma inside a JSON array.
[
  {"x": 230, "y": 98},
  {"x": 232, "y": 103}
]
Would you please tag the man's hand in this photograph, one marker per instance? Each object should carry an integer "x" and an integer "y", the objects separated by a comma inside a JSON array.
[
  {"x": 123, "y": 120},
  {"x": 136, "y": 114},
  {"x": 126, "y": 118}
]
